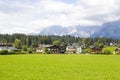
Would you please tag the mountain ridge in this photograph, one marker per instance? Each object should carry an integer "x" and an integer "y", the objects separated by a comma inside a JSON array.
[
  {"x": 77, "y": 31},
  {"x": 109, "y": 29}
]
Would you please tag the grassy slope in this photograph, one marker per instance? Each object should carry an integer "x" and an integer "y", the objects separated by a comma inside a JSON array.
[
  {"x": 59, "y": 67},
  {"x": 111, "y": 48}
]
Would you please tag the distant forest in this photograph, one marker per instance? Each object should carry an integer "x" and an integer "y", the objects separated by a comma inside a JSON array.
[{"x": 31, "y": 40}]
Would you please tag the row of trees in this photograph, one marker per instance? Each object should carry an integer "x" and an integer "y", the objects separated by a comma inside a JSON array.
[{"x": 21, "y": 40}]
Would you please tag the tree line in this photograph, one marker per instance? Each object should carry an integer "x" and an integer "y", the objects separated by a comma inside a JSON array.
[{"x": 31, "y": 40}]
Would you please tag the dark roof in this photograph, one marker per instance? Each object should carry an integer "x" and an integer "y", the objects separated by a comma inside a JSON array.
[
  {"x": 51, "y": 46},
  {"x": 47, "y": 46},
  {"x": 95, "y": 47}
]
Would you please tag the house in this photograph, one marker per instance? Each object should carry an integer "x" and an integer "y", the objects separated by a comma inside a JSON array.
[
  {"x": 70, "y": 49},
  {"x": 113, "y": 44},
  {"x": 5, "y": 46},
  {"x": 95, "y": 49},
  {"x": 50, "y": 48},
  {"x": 117, "y": 51},
  {"x": 73, "y": 49},
  {"x": 53, "y": 48},
  {"x": 40, "y": 48}
]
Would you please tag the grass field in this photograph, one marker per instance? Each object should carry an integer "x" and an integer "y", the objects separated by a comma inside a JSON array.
[
  {"x": 60, "y": 67},
  {"x": 111, "y": 48}
]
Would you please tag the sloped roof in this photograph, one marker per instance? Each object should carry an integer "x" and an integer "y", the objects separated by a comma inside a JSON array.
[
  {"x": 95, "y": 47},
  {"x": 117, "y": 49},
  {"x": 7, "y": 48},
  {"x": 47, "y": 46}
]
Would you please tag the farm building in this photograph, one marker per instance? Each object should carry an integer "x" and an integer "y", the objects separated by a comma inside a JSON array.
[
  {"x": 117, "y": 51},
  {"x": 5, "y": 46},
  {"x": 50, "y": 48},
  {"x": 95, "y": 49}
]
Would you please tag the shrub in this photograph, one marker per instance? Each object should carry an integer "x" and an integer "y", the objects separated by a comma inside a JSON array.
[
  {"x": 46, "y": 51},
  {"x": 11, "y": 52},
  {"x": 24, "y": 48},
  {"x": 107, "y": 52},
  {"x": 29, "y": 51},
  {"x": 4, "y": 52},
  {"x": 85, "y": 51}
]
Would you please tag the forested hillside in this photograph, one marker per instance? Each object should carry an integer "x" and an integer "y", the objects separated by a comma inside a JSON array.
[{"x": 30, "y": 40}]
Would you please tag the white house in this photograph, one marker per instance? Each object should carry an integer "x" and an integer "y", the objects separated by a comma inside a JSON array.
[
  {"x": 74, "y": 49},
  {"x": 51, "y": 48}
]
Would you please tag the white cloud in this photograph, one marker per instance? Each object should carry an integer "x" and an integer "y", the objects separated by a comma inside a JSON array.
[{"x": 26, "y": 16}]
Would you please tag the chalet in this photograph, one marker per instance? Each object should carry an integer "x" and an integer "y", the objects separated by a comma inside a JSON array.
[
  {"x": 95, "y": 49},
  {"x": 73, "y": 49},
  {"x": 53, "y": 48},
  {"x": 50, "y": 48},
  {"x": 5, "y": 46},
  {"x": 117, "y": 51}
]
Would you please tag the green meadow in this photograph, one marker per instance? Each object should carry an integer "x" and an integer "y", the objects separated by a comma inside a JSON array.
[
  {"x": 111, "y": 48},
  {"x": 59, "y": 67}
]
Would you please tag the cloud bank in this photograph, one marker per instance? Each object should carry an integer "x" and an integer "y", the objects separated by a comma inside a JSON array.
[{"x": 27, "y": 16}]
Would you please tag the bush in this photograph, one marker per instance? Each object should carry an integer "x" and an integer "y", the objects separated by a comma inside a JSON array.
[
  {"x": 24, "y": 48},
  {"x": 11, "y": 52},
  {"x": 85, "y": 51},
  {"x": 4, "y": 52},
  {"x": 97, "y": 53},
  {"x": 30, "y": 52},
  {"x": 107, "y": 52},
  {"x": 46, "y": 51}
]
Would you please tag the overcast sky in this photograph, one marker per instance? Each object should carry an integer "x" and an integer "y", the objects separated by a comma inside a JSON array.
[{"x": 27, "y": 16}]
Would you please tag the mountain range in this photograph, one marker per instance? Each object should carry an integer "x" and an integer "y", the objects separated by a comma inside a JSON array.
[{"x": 110, "y": 30}]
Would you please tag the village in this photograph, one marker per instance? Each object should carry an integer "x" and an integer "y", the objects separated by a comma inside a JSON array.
[{"x": 69, "y": 49}]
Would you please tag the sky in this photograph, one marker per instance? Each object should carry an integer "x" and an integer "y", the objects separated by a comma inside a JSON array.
[{"x": 31, "y": 16}]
